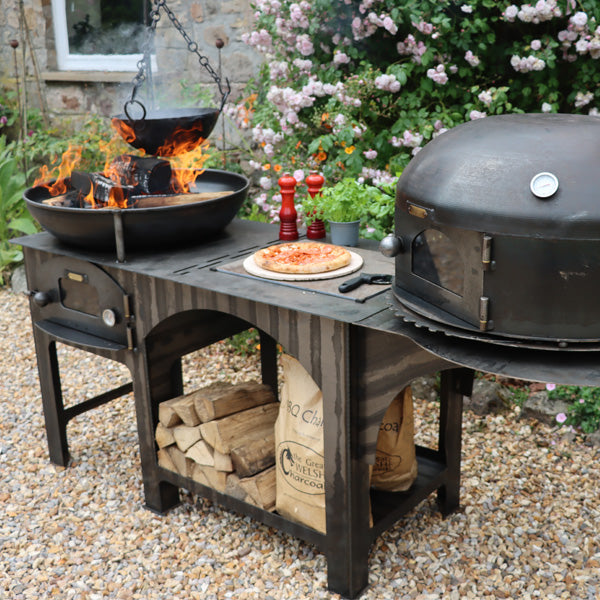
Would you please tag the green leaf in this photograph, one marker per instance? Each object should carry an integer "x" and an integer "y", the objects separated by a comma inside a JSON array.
[{"x": 24, "y": 225}]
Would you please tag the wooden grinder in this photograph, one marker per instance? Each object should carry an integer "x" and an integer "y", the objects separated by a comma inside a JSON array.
[
  {"x": 316, "y": 230},
  {"x": 288, "y": 228}
]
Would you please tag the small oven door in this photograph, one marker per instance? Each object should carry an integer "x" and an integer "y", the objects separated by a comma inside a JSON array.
[
  {"x": 79, "y": 302},
  {"x": 440, "y": 274}
]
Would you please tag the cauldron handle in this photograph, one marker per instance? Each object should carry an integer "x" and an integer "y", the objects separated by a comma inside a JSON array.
[
  {"x": 126, "y": 110},
  {"x": 225, "y": 95}
]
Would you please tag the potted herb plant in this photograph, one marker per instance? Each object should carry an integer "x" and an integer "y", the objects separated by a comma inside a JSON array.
[{"x": 343, "y": 205}]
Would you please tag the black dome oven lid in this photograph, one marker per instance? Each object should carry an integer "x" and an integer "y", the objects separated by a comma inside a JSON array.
[{"x": 479, "y": 176}]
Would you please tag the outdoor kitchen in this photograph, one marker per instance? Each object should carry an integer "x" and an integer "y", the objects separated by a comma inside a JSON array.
[{"x": 337, "y": 454}]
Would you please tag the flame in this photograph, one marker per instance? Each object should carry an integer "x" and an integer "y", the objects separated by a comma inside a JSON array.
[
  {"x": 186, "y": 151},
  {"x": 70, "y": 159},
  {"x": 124, "y": 130},
  {"x": 116, "y": 197},
  {"x": 187, "y": 166}
]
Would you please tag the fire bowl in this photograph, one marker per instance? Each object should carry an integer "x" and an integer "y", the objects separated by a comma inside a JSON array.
[{"x": 144, "y": 228}]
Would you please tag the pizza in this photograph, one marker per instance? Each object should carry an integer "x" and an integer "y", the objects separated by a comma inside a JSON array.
[{"x": 302, "y": 258}]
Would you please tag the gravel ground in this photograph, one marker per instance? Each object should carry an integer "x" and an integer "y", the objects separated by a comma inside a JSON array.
[{"x": 528, "y": 526}]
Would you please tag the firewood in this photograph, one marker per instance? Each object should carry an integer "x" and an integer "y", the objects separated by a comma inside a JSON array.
[
  {"x": 223, "y": 399},
  {"x": 103, "y": 188},
  {"x": 199, "y": 476},
  {"x": 224, "y": 433},
  {"x": 69, "y": 200},
  {"x": 167, "y": 414},
  {"x": 256, "y": 454},
  {"x": 201, "y": 454},
  {"x": 261, "y": 488},
  {"x": 147, "y": 173},
  {"x": 222, "y": 462},
  {"x": 186, "y": 436},
  {"x": 176, "y": 199},
  {"x": 184, "y": 466},
  {"x": 233, "y": 488},
  {"x": 165, "y": 461},
  {"x": 164, "y": 436},
  {"x": 55, "y": 201},
  {"x": 184, "y": 407},
  {"x": 216, "y": 479}
]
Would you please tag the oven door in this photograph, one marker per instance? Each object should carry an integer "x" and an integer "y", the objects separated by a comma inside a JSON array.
[
  {"x": 441, "y": 273},
  {"x": 79, "y": 302}
]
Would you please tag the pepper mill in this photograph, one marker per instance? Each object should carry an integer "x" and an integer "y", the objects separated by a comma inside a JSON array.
[
  {"x": 316, "y": 230},
  {"x": 288, "y": 228}
]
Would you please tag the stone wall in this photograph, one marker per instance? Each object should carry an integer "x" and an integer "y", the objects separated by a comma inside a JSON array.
[{"x": 75, "y": 93}]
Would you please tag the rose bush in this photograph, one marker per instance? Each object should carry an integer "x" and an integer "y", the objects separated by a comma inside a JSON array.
[{"x": 356, "y": 88}]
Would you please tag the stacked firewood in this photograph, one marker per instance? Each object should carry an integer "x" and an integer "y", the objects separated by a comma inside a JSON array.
[{"x": 222, "y": 436}]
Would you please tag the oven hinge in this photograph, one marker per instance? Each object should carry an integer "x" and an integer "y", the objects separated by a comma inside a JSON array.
[
  {"x": 486, "y": 253},
  {"x": 485, "y": 323},
  {"x": 129, "y": 321}
]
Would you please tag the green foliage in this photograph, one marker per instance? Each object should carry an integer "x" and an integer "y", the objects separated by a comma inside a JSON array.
[
  {"x": 345, "y": 201},
  {"x": 519, "y": 395},
  {"x": 14, "y": 217},
  {"x": 584, "y": 411},
  {"x": 356, "y": 89},
  {"x": 245, "y": 343},
  {"x": 45, "y": 147},
  {"x": 351, "y": 200}
]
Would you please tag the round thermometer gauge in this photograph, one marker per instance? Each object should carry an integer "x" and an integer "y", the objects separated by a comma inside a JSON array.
[{"x": 543, "y": 185}]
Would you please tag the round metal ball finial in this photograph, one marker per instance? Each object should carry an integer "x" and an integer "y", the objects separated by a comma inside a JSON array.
[
  {"x": 391, "y": 245},
  {"x": 14, "y": 43},
  {"x": 219, "y": 43}
]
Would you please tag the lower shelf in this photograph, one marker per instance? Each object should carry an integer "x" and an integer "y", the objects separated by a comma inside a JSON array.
[{"x": 386, "y": 507}]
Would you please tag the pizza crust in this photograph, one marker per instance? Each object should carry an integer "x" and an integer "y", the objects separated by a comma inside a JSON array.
[{"x": 302, "y": 258}]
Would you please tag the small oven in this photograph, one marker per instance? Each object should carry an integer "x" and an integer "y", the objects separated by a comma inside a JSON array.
[{"x": 78, "y": 301}]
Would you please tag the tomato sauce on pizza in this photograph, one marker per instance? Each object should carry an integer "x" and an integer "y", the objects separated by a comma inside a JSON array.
[{"x": 302, "y": 258}]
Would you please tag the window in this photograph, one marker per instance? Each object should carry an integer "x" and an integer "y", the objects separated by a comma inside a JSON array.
[
  {"x": 99, "y": 35},
  {"x": 435, "y": 259}
]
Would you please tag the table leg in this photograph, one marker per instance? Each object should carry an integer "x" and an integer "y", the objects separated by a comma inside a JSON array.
[
  {"x": 455, "y": 383},
  {"x": 268, "y": 361},
  {"x": 153, "y": 383},
  {"x": 52, "y": 398},
  {"x": 346, "y": 478}
]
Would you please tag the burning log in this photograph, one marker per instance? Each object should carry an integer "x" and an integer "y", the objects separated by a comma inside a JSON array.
[
  {"x": 147, "y": 174},
  {"x": 101, "y": 188},
  {"x": 232, "y": 450}
]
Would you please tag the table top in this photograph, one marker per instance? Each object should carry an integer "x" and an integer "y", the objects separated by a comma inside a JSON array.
[
  {"x": 201, "y": 266},
  {"x": 204, "y": 266}
]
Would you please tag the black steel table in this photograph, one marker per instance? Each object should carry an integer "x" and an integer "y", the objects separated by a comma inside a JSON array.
[{"x": 173, "y": 302}]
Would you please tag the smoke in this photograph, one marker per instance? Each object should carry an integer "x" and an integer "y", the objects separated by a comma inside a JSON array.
[{"x": 126, "y": 38}]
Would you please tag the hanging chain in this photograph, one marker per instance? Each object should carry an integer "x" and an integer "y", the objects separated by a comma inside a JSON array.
[{"x": 144, "y": 63}]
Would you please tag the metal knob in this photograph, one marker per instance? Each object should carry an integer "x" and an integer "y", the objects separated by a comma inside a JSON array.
[
  {"x": 391, "y": 245},
  {"x": 42, "y": 298}
]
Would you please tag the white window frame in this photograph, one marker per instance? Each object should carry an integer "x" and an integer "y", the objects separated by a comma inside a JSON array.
[{"x": 86, "y": 62}]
